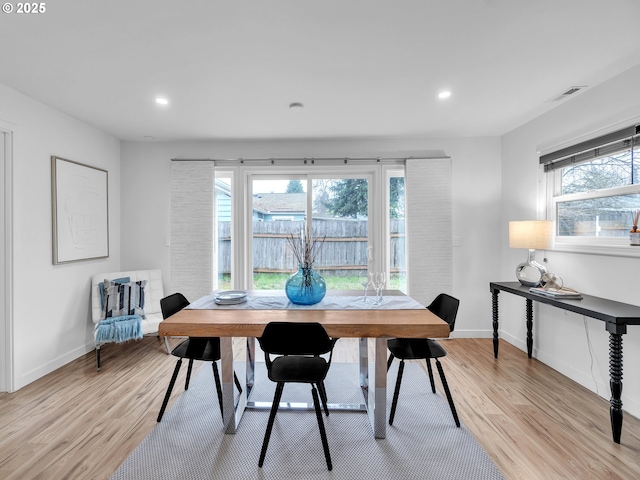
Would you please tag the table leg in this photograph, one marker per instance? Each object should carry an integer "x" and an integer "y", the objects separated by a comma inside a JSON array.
[
  {"x": 615, "y": 382},
  {"x": 529, "y": 327},
  {"x": 380, "y": 412},
  {"x": 363, "y": 355},
  {"x": 232, "y": 411},
  {"x": 375, "y": 392},
  {"x": 494, "y": 304},
  {"x": 251, "y": 363}
]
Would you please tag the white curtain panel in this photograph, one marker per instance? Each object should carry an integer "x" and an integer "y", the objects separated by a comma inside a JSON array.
[
  {"x": 192, "y": 200},
  {"x": 429, "y": 228}
]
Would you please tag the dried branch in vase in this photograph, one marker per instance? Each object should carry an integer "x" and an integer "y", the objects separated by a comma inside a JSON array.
[
  {"x": 635, "y": 221},
  {"x": 304, "y": 247},
  {"x": 306, "y": 286}
]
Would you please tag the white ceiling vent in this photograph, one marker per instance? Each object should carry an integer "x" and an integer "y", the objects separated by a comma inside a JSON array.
[{"x": 568, "y": 93}]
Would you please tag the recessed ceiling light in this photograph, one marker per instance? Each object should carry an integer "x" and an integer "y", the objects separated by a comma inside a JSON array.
[
  {"x": 162, "y": 101},
  {"x": 444, "y": 94},
  {"x": 296, "y": 106}
]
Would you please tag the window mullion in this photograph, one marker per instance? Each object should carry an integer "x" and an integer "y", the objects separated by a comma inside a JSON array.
[{"x": 608, "y": 192}]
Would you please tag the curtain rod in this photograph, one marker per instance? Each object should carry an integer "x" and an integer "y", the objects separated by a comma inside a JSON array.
[
  {"x": 276, "y": 159},
  {"x": 306, "y": 160}
]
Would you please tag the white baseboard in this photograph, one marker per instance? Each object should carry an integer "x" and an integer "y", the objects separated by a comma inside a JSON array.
[
  {"x": 49, "y": 367},
  {"x": 630, "y": 406},
  {"x": 515, "y": 341},
  {"x": 472, "y": 333}
]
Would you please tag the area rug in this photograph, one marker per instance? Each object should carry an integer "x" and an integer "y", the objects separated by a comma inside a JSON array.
[{"x": 423, "y": 443}]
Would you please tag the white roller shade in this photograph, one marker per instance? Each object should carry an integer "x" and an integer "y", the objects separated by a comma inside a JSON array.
[
  {"x": 192, "y": 200},
  {"x": 429, "y": 228}
]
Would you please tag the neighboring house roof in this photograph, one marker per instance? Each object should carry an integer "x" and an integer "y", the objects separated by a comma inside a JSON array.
[{"x": 280, "y": 202}]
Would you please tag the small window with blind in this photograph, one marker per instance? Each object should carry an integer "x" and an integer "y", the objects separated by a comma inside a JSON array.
[{"x": 595, "y": 189}]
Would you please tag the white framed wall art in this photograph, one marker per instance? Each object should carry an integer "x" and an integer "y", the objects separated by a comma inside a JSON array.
[{"x": 80, "y": 211}]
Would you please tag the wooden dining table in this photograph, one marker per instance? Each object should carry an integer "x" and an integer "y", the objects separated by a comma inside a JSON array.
[{"x": 398, "y": 317}]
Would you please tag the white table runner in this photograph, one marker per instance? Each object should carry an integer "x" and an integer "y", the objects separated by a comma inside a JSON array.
[{"x": 329, "y": 302}]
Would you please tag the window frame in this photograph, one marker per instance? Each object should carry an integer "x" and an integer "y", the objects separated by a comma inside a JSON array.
[
  {"x": 389, "y": 171},
  {"x": 377, "y": 174},
  {"x": 611, "y": 246},
  {"x": 231, "y": 174}
]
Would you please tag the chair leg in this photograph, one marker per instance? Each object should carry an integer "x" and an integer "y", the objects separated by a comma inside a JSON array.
[
  {"x": 237, "y": 382},
  {"x": 169, "y": 389},
  {"x": 396, "y": 392},
  {"x": 98, "y": 366},
  {"x": 390, "y": 361},
  {"x": 186, "y": 383},
  {"x": 323, "y": 433},
  {"x": 448, "y": 393},
  {"x": 216, "y": 377},
  {"x": 433, "y": 385},
  {"x": 323, "y": 396},
  {"x": 272, "y": 417}
]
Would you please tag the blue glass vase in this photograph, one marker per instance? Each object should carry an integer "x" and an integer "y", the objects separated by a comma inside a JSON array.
[{"x": 305, "y": 287}]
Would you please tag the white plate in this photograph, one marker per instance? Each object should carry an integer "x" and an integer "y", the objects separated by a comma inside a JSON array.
[
  {"x": 233, "y": 295},
  {"x": 230, "y": 302}
]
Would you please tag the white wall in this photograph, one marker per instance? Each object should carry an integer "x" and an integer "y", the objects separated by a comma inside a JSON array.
[
  {"x": 494, "y": 181},
  {"x": 51, "y": 321},
  {"x": 560, "y": 339},
  {"x": 476, "y": 202}
]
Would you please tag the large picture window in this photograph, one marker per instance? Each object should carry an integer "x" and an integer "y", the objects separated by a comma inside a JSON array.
[
  {"x": 337, "y": 209},
  {"x": 357, "y": 210},
  {"x": 230, "y": 220},
  {"x": 595, "y": 192}
]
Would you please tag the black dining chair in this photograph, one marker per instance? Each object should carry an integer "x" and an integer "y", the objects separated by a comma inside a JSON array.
[
  {"x": 446, "y": 307},
  {"x": 194, "y": 348},
  {"x": 297, "y": 348}
]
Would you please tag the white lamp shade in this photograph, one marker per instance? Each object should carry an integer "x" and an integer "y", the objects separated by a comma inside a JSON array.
[{"x": 531, "y": 234}]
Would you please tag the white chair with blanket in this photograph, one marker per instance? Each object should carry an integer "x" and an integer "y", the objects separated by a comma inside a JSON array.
[{"x": 125, "y": 306}]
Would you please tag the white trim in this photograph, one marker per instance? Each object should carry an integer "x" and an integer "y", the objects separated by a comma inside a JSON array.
[
  {"x": 600, "y": 249},
  {"x": 42, "y": 370},
  {"x": 245, "y": 262},
  {"x": 484, "y": 333},
  {"x": 609, "y": 192},
  {"x": 608, "y": 246},
  {"x": 371, "y": 170},
  {"x": 600, "y": 387},
  {"x": 7, "y": 377},
  {"x": 231, "y": 175},
  {"x": 389, "y": 171}
]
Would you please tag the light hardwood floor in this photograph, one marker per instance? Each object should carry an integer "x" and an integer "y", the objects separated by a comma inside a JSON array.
[{"x": 534, "y": 423}]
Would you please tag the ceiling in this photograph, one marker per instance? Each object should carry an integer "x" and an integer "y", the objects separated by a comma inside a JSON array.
[{"x": 362, "y": 68}]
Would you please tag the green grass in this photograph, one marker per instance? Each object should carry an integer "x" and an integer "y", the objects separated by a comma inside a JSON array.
[{"x": 276, "y": 281}]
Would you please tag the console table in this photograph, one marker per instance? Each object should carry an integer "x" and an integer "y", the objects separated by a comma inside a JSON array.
[{"x": 616, "y": 316}]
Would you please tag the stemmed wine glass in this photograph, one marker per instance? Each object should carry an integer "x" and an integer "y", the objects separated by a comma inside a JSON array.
[
  {"x": 378, "y": 280},
  {"x": 365, "y": 281}
]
